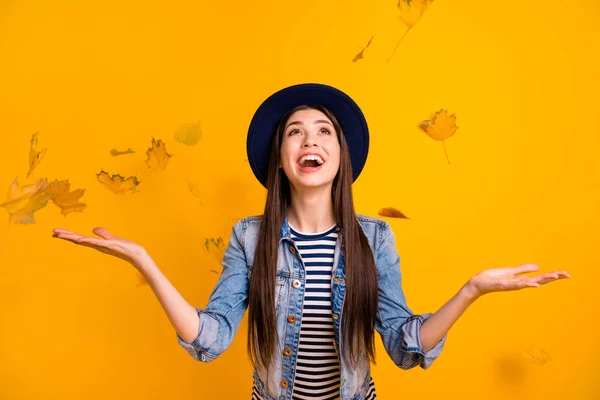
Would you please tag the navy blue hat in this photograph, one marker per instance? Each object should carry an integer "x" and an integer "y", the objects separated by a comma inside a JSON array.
[{"x": 267, "y": 116}]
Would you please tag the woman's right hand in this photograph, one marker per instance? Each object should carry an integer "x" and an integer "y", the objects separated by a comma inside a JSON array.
[{"x": 107, "y": 243}]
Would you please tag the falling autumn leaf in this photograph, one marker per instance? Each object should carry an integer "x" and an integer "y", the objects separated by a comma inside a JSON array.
[
  {"x": 391, "y": 212},
  {"x": 216, "y": 247},
  {"x": 157, "y": 155},
  {"x": 35, "y": 155},
  {"x": 64, "y": 198},
  {"x": 19, "y": 195},
  {"x": 360, "y": 55},
  {"x": 115, "y": 152},
  {"x": 188, "y": 134},
  {"x": 22, "y": 201},
  {"x": 193, "y": 188},
  {"x": 441, "y": 127},
  {"x": 118, "y": 184},
  {"x": 410, "y": 13}
]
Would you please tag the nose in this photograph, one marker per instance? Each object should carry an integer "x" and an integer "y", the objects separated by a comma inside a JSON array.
[{"x": 309, "y": 141}]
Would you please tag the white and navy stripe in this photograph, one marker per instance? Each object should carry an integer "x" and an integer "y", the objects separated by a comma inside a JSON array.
[{"x": 317, "y": 375}]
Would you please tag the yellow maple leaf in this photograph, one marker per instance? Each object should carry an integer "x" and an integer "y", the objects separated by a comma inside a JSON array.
[
  {"x": 391, "y": 212},
  {"x": 22, "y": 201},
  {"x": 441, "y": 127},
  {"x": 35, "y": 202},
  {"x": 412, "y": 10},
  {"x": 118, "y": 184},
  {"x": 157, "y": 155},
  {"x": 188, "y": 134},
  {"x": 64, "y": 198},
  {"x": 18, "y": 195},
  {"x": 410, "y": 13},
  {"x": 35, "y": 155}
]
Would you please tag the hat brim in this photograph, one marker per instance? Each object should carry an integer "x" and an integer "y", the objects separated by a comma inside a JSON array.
[{"x": 269, "y": 113}]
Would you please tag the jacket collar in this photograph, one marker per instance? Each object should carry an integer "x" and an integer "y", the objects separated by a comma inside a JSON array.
[{"x": 285, "y": 232}]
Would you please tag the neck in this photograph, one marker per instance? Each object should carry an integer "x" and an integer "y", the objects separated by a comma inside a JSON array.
[{"x": 311, "y": 210}]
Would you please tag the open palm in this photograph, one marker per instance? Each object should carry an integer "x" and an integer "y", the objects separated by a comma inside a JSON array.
[
  {"x": 106, "y": 243},
  {"x": 510, "y": 278}
]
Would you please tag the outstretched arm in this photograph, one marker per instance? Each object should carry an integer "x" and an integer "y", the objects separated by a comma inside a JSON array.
[{"x": 487, "y": 281}]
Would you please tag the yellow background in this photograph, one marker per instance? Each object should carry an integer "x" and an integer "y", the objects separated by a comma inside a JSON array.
[{"x": 523, "y": 184}]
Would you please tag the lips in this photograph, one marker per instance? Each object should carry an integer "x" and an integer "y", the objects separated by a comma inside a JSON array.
[{"x": 309, "y": 168}]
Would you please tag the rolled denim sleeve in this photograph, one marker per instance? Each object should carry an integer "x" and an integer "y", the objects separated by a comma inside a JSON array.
[
  {"x": 227, "y": 303},
  {"x": 396, "y": 323}
]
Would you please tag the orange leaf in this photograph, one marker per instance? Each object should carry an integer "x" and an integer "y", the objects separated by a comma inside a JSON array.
[
  {"x": 441, "y": 127},
  {"x": 35, "y": 156},
  {"x": 117, "y": 183},
  {"x": 115, "y": 152},
  {"x": 391, "y": 212},
  {"x": 157, "y": 155},
  {"x": 360, "y": 55},
  {"x": 64, "y": 198}
]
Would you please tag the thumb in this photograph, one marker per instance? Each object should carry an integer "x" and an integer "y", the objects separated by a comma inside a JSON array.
[{"x": 103, "y": 233}]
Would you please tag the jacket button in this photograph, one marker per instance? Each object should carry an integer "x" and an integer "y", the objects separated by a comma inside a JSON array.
[
  {"x": 291, "y": 319},
  {"x": 295, "y": 283},
  {"x": 292, "y": 250},
  {"x": 335, "y": 316},
  {"x": 284, "y": 383},
  {"x": 287, "y": 352}
]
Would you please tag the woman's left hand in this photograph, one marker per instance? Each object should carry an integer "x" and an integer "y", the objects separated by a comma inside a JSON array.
[{"x": 507, "y": 278}]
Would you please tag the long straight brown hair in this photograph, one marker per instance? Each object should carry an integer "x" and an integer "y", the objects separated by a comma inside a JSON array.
[{"x": 360, "y": 304}]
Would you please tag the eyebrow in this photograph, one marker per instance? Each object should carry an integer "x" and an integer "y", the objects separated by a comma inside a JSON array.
[{"x": 318, "y": 121}]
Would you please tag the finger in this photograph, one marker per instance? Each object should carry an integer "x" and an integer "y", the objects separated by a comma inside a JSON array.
[
  {"x": 563, "y": 274},
  {"x": 60, "y": 230},
  {"x": 523, "y": 268},
  {"x": 103, "y": 233}
]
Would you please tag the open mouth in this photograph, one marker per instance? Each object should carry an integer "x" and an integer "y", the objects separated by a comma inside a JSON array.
[{"x": 310, "y": 163}]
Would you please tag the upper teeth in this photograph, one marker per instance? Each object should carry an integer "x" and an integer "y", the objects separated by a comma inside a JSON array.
[{"x": 311, "y": 157}]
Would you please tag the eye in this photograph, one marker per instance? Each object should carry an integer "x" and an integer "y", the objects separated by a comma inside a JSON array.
[
  {"x": 290, "y": 133},
  {"x": 327, "y": 131}
]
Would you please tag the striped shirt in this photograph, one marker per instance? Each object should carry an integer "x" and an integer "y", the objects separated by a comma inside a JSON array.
[{"x": 317, "y": 375}]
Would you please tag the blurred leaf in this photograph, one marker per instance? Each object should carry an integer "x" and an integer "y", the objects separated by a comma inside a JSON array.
[
  {"x": 115, "y": 152},
  {"x": 64, "y": 198},
  {"x": 360, "y": 55},
  {"x": 216, "y": 247},
  {"x": 35, "y": 155},
  {"x": 22, "y": 201},
  {"x": 412, "y": 10},
  {"x": 193, "y": 187},
  {"x": 117, "y": 183},
  {"x": 410, "y": 13},
  {"x": 157, "y": 155},
  {"x": 188, "y": 134},
  {"x": 441, "y": 127},
  {"x": 391, "y": 212}
]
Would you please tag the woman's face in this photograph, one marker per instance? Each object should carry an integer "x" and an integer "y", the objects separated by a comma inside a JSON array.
[{"x": 310, "y": 150}]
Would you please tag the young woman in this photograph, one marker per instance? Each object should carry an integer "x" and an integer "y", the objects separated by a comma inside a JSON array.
[{"x": 318, "y": 280}]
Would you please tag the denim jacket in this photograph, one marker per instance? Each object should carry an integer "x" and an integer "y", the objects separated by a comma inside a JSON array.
[{"x": 396, "y": 324}]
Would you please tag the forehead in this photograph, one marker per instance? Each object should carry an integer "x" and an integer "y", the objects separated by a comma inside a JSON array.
[{"x": 309, "y": 115}]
